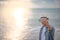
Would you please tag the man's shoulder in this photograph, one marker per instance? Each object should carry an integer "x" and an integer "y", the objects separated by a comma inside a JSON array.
[{"x": 53, "y": 26}]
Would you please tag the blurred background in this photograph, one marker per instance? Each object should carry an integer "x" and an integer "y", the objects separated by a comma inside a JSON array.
[{"x": 19, "y": 19}]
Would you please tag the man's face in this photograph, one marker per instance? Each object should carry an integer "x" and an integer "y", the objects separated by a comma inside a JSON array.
[{"x": 43, "y": 20}]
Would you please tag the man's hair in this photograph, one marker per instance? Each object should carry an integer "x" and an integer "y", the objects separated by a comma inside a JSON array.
[{"x": 44, "y": 17}]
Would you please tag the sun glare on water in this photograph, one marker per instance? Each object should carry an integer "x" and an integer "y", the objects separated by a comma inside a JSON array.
[{"x": 20, "y": 15}]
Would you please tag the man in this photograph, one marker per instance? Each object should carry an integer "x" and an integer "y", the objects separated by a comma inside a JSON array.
[{"x": 46, "y": 31}]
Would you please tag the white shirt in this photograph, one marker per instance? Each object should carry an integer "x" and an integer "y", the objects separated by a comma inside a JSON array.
[{"x": 43, "y": 33}]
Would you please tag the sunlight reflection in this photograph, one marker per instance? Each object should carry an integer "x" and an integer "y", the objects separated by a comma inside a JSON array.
[{"x": 18, "y": 13}]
